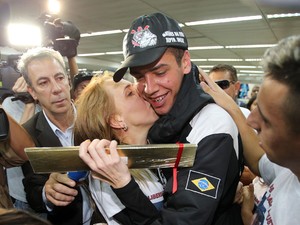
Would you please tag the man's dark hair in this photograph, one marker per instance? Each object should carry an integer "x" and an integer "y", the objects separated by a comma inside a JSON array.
[
  {"x": 226, "y": 67},
  {"x": 282, "y": 63},
  {"x": 178, "y": 53}
]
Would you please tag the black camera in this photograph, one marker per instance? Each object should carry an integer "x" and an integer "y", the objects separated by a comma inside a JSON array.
[
  {"x": 4, "y": 128},
  {"x": 62, "y": 36}
]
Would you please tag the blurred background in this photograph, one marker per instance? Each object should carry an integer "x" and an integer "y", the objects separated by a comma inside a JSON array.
[{"x": 235, "y": 32}]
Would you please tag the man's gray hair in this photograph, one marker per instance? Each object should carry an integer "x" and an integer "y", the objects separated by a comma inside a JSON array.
[{"x": 36, "y": 54}]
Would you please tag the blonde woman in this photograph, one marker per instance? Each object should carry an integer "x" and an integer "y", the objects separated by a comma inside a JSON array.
[{"x": 115, "y": 111}]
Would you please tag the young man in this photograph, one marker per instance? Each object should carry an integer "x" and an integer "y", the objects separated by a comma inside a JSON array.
[
  {"x": 275, "y": 153},
  {"x": 156, "y": 54},
  {"x": 45, "y": 74}
]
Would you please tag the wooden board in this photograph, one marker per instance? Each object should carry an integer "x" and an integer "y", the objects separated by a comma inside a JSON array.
[{"x": 63, "y": 159}]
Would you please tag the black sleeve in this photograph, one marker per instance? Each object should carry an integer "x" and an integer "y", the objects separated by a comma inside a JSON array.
[
  {"x": 205, "y": 192},
  {"x": 138, "y": 207},
  {"x": 33, "y": 186}
]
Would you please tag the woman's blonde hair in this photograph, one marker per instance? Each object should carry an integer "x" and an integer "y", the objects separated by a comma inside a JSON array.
[{"x": 94, "y": 107}]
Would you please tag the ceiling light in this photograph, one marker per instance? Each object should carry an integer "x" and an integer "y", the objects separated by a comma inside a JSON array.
[
  {"x": 199, "y": 60},
  {"x": 206, "y": 66},
  {"x": 101, "y": 33},
  {"x": 114, "y": 53},
  {"x": 253, "y": 60},
  {"x": 245, "y": 67},
  {"x": 53, "y": 6},
  {"x": 205, "y": 47},
  {"x": 251, "y": 46},
  {"x": 24, "y": 35},
  {"x": 251, "y": 71},
  {"x": 283, "y": 15},
  {"x": 92, "y": 54},
  {"x": 224, "y": 20},
  {"x": 225, "y": 60}
]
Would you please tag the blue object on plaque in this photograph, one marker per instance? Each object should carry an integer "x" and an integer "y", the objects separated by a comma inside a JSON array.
[{"x": 78, "y": 175}]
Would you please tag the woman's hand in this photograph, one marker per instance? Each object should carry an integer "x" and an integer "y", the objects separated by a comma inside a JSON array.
[{"x": 106, "y": 164}]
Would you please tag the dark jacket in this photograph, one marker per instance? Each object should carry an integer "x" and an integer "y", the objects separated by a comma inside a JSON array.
[
  {"x": 206, "y": 191},
  {"x": 43, "y": 136}
]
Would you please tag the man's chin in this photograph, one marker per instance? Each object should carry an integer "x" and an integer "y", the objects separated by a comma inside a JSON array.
[{"x": 161, "y": 111}]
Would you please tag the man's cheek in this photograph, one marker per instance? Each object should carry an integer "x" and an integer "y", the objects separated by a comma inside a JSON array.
[{"x": 140, "y": 88}]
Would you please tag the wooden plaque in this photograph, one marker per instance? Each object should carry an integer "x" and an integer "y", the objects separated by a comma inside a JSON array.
[{"x": 63, "y": 159}]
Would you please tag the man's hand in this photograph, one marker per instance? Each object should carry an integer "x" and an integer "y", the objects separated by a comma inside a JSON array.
[
  {"x": 59, "y": 189},
  {"x": 20, "y": 89}
]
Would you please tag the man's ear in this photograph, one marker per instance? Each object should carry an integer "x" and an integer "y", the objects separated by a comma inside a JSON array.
[
  {"x": 116, "y": 121},
  {"x": 186, "y": 62},
  {"x": 237, "y": 86},
  {"x": 32, "y": 92}
]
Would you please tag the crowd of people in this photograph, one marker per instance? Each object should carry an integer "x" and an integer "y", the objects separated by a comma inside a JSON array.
[{"x": 171, "y": 101}]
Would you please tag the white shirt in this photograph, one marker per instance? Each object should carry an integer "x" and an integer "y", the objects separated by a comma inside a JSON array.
[
  {"x": 67, "y": 139},
  {"x": 280, "y": 204}
]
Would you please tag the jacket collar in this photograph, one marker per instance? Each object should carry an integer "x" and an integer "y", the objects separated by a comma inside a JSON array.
[{"x": 190, "y": 100}]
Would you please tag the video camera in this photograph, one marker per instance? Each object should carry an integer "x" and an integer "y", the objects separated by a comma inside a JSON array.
[
  {"x": 4, "y": 128},
  {"x": 62, "y": 36}
]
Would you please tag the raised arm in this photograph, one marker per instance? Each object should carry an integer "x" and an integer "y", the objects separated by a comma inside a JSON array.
[{"x": 252, "y": 151}]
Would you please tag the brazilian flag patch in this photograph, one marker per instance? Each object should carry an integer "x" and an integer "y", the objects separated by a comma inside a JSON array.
[{"x": 203, "y": 184}]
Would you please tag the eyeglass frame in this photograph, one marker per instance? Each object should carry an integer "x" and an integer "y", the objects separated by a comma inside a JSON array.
[{"x": 224, "y": 84}]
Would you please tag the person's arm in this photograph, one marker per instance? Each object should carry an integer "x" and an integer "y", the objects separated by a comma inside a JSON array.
[
  {"x": 29, "y": 106},
  {"x": 29, "y": 110},
  {"x": 18, "y": 138},
  {"x": 73, "y": 67},
  {"x": 252, "y": 151}
]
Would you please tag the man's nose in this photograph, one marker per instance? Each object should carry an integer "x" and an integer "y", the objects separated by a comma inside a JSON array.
[
  {"x": 56, "y": 87},
  {"x": 150, "y": 85},
  {"x": 253, "y": 120}
]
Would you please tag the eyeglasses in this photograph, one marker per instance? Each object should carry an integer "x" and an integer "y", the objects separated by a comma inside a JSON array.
[{"x": 224, "y": 84}]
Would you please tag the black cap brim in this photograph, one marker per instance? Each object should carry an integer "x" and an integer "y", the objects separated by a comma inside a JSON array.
[{"x": 139, "y": 59}]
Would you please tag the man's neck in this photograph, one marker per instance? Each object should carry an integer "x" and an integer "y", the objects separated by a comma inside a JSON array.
[{"x": 62, "y": 120}]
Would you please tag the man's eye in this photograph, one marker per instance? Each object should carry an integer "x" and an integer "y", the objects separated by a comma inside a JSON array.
[
  {"x": 61, "y": 78},
  {"x": 159, "y": 73},
  {"x": 42, "y": 83}
]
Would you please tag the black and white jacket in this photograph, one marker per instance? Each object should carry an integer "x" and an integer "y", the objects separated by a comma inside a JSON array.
[{"x": 205, "y": 191}]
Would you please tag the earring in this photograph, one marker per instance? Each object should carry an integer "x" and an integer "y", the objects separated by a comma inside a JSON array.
[{"x": 125, "y": 128}]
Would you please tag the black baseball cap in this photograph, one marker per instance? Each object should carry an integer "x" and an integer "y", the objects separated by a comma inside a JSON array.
[
  {"x": 147, "y": 39},
  {"x": 81, "y": 76}
]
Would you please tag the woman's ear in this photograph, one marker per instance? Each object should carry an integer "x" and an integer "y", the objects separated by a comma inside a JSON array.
[{"x": 116, "y": 121}]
